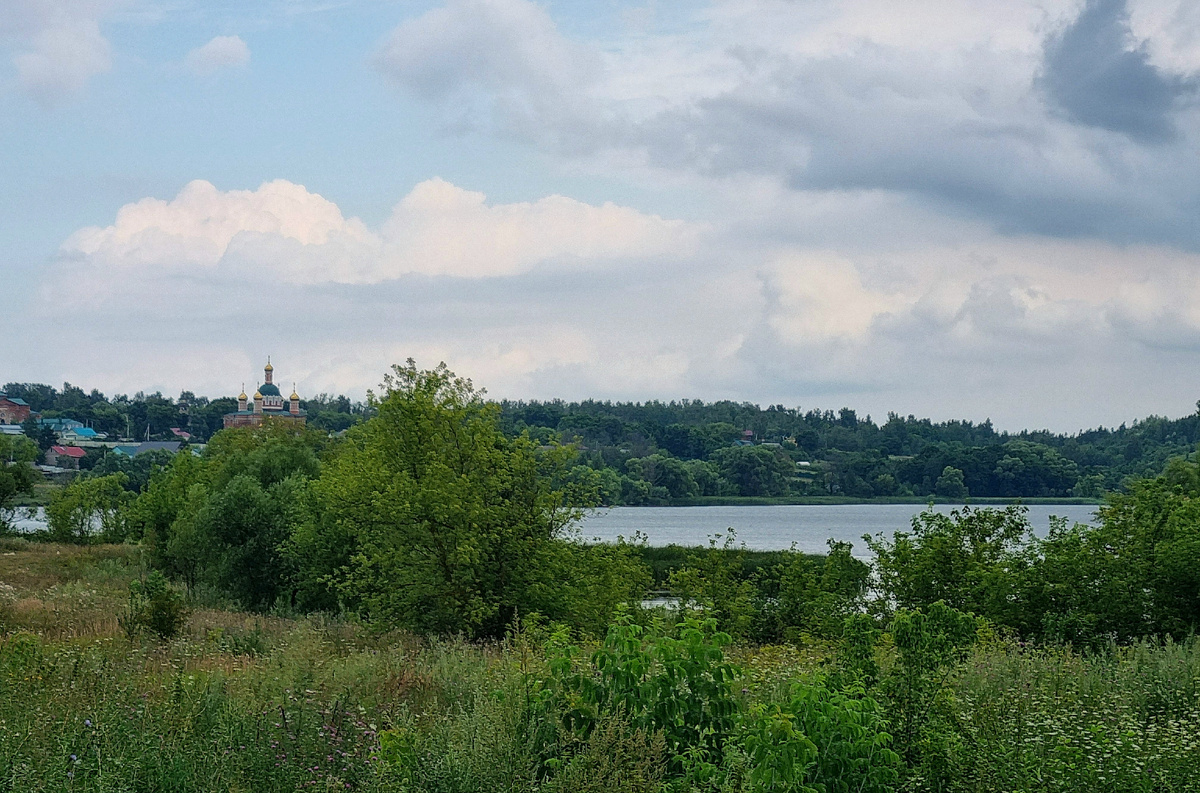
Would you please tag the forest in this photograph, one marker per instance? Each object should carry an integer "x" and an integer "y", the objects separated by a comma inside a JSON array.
[
  {"x": 694, "y": 452},
  {"x": 407, "y": 607}
]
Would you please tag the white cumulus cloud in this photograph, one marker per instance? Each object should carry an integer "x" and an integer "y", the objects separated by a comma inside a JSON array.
[
  {"x": 222, "y": 52},
  {"x": 286, "y": 233}
]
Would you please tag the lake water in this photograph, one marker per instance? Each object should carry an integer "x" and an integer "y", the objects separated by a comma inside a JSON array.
[
  {"x": 26, "y": 520},
  {"x": 761, "y": 528},
  {"x": 774, "y": 528}
]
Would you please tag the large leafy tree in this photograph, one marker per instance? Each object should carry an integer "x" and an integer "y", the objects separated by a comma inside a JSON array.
[
  {"x": 90, "y": 509},
  {"x": 1137, "y": 573},
  {"x": 974, "y": 560},
  {"x": 224, "y": 519},
  {"x": 17, "y": 474},
  {"x": 429, "y": 518}
]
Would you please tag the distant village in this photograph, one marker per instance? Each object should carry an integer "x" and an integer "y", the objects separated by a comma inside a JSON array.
[{"x": 73, "y": 440}]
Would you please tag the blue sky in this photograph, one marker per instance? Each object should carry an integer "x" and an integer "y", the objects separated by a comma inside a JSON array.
[{"x": 953, "y": 208}]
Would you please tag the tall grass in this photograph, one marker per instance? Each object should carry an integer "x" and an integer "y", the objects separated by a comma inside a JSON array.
[{"x": 242, "y": 702}]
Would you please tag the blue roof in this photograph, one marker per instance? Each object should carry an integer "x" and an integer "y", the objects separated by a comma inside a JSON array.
[
  {"x": 64, "y": 424},
  {"x": 86, "y": 432},
  {"x": 14, "y": 400}
]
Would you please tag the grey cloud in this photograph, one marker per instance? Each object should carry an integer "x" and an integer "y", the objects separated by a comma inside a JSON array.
[
  {"x": 1097, "y": 80},
  {"x": 965, "y": 129}
]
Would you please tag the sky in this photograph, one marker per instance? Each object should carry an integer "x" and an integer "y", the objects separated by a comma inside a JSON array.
[{"x": 949, "y": 208}]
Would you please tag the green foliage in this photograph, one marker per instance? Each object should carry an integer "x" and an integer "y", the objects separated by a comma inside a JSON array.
[
  {"x": 818, "y": 600},
  {"x": 713, "y": 581},
  {"x": 1135, "y": 574},
  {"x": 929, "y": 646},
  {"x": 951, "y": 484},
  {"x": 679, "y": 686},
  {"x": 820, "y": 740},
  {"x": 429, "y": 518},
  {"x": 90, "y": 509},
  {"x": 155, "y": 607},
  {"x": 138, "y": 470},
  {"x": 223, "y": 520},
  {"x": 17, "y": 474},
  {"x": 972, "y": 559},
  {"x": 755, "y": 470}
]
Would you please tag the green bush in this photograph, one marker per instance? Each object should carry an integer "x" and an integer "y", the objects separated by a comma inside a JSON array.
[
  {"x": 154, "y": 606},
  {"x": 678, "y": 686},
  {"x": 820, "y": 741}
]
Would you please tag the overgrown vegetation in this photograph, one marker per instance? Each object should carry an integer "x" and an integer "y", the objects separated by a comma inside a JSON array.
[{"x": 405, "y": 608}]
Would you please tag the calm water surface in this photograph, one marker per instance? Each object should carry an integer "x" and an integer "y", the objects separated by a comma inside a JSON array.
[
  {"x": 765, "y": 528},
  {"x": 773, "y": 528}
]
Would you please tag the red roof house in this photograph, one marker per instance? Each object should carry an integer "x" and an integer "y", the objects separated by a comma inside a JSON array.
[{"x": 65, "y": 456}]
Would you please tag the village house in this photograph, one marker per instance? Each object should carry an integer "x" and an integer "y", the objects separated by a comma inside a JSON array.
[
  {"x": 80, "y": 434},
  {"x": 64, "y": 456},
  {"x": 133, "y": 450}
]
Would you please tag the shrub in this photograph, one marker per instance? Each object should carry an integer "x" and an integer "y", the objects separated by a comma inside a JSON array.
[
  {"x": 681, "y": 687},
  {"x": 155, "y": 606}
]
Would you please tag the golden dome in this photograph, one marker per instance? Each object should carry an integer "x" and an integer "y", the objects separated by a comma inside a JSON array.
[
  {"x": 257, "y": 395},
  {"x": 268, "y": 367},
  {"x": 242, "y": 395},
  {"x": 294, "y": 394}
]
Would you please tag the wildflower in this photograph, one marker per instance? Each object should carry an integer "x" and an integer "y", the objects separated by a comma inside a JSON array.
[{"x": 87, "y": 722}]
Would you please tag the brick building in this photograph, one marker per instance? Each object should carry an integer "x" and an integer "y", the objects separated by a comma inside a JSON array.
[{"x": 12, "y": 410}]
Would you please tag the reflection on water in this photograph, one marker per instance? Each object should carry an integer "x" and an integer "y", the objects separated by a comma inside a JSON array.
[
  {"x": 772, "y": 528},
  {"x": 26, "y": 520}
]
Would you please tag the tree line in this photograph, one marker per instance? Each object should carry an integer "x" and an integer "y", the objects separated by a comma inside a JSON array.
[
  {"x": 678, "y": 452},
  {"x": 689, "y": 451}
]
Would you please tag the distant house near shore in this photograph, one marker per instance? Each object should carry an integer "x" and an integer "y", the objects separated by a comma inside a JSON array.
[
  {"x": 58, "y": 425},
  {"x": 133, "y": 450},
  {"x": 64, "y": 456},
  {"x": 78, "y": 434}
]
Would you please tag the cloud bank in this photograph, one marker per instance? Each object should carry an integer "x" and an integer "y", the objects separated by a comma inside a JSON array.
[{"x": 556, "y": 297}]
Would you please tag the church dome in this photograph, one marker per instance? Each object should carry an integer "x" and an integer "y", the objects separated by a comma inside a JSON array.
[{"x": 269, "y": 389}]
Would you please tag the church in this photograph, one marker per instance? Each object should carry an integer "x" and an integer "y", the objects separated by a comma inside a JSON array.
[{"x": 268, "y": 404}]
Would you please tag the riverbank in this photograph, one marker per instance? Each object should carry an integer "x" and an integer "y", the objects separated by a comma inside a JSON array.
[{"x": 811, "y": 501}]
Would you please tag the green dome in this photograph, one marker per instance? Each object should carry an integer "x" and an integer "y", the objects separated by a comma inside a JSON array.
[{"x": 268, "y": 389}]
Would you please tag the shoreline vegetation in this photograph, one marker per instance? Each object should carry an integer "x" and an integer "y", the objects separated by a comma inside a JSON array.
[
  {"x": 402, "y": 609},
  {"x": 789, "y": 501}
]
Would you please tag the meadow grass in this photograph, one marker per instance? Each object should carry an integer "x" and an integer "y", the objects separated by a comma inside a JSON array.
[{"x": 244, "y": 702}]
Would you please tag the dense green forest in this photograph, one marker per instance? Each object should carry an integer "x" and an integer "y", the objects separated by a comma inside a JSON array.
[
  {"x": 406, "y": 608},
  {"x": 697, "y": 452},
  {"x": 683, "y": 451}
]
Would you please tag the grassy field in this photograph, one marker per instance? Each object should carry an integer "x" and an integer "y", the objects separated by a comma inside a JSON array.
[{"x": 241, "y": 702}]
